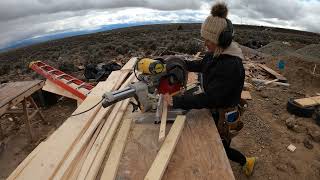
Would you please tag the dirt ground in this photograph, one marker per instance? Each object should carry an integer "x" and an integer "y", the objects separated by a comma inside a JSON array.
[
  {"x": 16, "y": 145},
  {"x": 265, "y": 134}
]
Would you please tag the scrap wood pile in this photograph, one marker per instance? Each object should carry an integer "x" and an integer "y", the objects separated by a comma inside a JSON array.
[
  {"x": 78, "y": 149},
  {"x": 260, "y": 74}
]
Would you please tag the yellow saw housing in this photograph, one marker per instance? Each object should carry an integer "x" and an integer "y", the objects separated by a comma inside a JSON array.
[{"x": 150, "y": 66}]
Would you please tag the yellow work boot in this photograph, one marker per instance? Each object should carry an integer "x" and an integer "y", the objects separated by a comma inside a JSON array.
[{"x": 249, "y": 166}]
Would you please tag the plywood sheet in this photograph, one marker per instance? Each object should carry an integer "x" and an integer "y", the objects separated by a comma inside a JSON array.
[{"x": 199, "y": 153}]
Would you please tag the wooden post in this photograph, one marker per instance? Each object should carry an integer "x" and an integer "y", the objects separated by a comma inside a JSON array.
[
  {"x": 27, "y": 120},
  {"x": 35, "y": 106},
  {"x": 162, "y": 159},
  {"x": 162, "y": 132}
]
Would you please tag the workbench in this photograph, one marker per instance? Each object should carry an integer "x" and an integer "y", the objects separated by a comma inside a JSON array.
[{"x": 13, "y": 93}]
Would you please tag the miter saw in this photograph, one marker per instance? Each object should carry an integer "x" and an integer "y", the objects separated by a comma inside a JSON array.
[{"x": 155, "y": 77}]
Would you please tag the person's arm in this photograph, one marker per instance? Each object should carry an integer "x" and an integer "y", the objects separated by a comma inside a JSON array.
[
  {"x": 194, "y": 66},
  {"x": 218, "y": 89}
]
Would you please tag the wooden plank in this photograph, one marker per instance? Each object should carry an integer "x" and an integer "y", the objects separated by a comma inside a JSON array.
[
  {"x": 112, "y": 164},
  {"x": 60, "y": 143},
  {"x": 16, "y": 98},
  {"x": 25, "y": 162},
  {"x": 9, "y": 91},
  {"x": 53, "y": 88},
  {"x": 274, "y": 73},
  {"x": 78, "y": 148},
  {"x": 199, "y": 153},
  {"x": 129, "y": 65},
  {"x": 264, "y": 81},
  {"x": 113, "y": 116},
  {"x": 162, "y": 159},
  {"x": 307, "y": 102},
  {"x": 73, "y": 171},
  {"x": 271, "y": 81},
  {"x": 246, "y": 95},
  {"x": 96, "y": 164},
  {"x": 162, "y": 132}
]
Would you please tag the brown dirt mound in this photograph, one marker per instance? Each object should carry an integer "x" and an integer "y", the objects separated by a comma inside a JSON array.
[{"x": 310, "y": 50}]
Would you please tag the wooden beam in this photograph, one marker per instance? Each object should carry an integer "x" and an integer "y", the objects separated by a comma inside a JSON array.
[
  {"x": 53, "y": 88},
  {"x": 112, "y": 164},
  {"x": 113, "y": 116},
  {"x": 162, "y": 159},
  {"x": 96, "y": 164},
  {"x": 27, "y": 119},
  {"x": 78, "y": 148},
  {"x": 274, "y": 73},
  {"x": 129, "y": 65},
  {"x": 263, "y": 81},
  {"x": 61, "y": 142},
  {"x": 307, "y": 102},
  {"x": 77, "y": 164},
  {"x": 162, "y": 132},
  {"x": 271, "y": 81}
]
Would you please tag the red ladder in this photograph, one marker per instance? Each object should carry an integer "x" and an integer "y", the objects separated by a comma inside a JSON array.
[{"x": 65, "y": 81}]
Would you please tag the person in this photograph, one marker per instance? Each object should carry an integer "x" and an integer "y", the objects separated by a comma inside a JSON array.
[{"x": 222, "y": 80}]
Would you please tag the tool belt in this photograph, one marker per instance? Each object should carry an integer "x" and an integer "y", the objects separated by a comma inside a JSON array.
[{"x": 228, "y": 121}]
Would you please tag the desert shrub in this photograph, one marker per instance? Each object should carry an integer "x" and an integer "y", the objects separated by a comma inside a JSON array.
[
  {"x": 180, "y": 28},
  {"x": 192, "y": 47},
  {"x": 5, "y": 69},
  {"x": 122, "y": 49},
  {"x": 67, "y": 66}
]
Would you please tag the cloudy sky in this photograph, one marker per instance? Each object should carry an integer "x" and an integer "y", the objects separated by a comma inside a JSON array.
[{"x": 24, "y": 19}]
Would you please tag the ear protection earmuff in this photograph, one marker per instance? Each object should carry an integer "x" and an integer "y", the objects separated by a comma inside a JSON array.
[{"x": 226, "y": 36}]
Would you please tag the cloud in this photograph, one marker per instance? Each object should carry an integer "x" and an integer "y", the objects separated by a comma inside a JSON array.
[
  {"x": 32, "y": 18},
  {"x": 12, "y": 9},
  {"x": 33, "y": 26}
]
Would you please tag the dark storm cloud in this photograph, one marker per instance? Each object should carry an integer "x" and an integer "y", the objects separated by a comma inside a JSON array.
[{"x": 11, "y": 9}]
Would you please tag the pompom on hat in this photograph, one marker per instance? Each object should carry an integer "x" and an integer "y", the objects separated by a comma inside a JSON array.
[{"x": 215, "y": 23}]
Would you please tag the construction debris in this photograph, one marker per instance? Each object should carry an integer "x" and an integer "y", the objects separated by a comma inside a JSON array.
[
  {"x": 291, "y": 148},
  {"x": 101, "y": 71}
]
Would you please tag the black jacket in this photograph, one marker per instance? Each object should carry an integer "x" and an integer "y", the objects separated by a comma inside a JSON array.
[{"x": 223, "y": 80}]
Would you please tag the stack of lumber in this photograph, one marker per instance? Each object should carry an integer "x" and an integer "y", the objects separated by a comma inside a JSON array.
[
  {"x": 104, "y": 143},
  {"x": 77, "y": 149}
]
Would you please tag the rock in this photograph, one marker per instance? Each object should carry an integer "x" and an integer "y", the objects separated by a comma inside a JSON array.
[
  {"x": 276, "y": 103},
  {"x": 291, "y": 148},
  {"x": 315, "y": 135},
  {"x": 281, "y": 167},
  {"x": 264, "y": 95},
  {"x": 307, "y": 144},
  {"x": 291, "y": 122},
  {"x": 81, "y": 67},
  {"x": 299, "y": 129}
]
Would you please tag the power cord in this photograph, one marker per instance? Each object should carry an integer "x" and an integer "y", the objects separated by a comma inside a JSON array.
[{"x": 88, "y": 109}]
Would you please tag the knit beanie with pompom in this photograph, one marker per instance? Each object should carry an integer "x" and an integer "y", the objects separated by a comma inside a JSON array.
[{"x": 215, "y": 23}]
